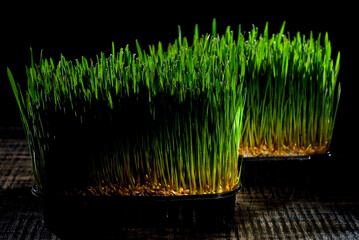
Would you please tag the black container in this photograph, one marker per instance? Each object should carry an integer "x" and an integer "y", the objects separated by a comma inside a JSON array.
[
  {"x": 291, "y": 170},
  {"x": 99, "y": 215}
]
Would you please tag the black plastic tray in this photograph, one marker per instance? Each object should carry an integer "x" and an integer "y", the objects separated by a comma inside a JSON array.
[
  {"x": 313, "y": 157},
  {"x": 98, "y": 215},
  {"x": 291, "y": 170}
]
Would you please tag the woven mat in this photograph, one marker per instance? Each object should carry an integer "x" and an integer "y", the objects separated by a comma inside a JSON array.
[{"x": 284, "y": 212}]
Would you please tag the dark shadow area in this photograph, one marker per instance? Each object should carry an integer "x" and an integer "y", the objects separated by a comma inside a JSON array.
[
  {"x": 12, "y": 133},
  {"x": 326, "y": 177},
  {"x": 20, "y": 215}
]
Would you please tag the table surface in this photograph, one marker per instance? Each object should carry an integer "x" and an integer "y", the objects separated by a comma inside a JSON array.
[{"x": 262, "y": 211}]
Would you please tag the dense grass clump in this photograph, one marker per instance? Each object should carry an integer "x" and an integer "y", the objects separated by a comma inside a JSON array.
[
  {"x": 173, "y": 121},
  {"x": 293, "y": 93},
  {"x": 167, "y": 119}
]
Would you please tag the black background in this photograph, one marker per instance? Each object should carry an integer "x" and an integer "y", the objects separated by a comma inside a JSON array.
[{"x": 86, "y": 29}]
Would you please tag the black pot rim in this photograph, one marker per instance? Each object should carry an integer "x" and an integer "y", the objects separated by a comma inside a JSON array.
[
  {"x": 41, "y": 195},
  {"x": 314, "y": 157}
]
